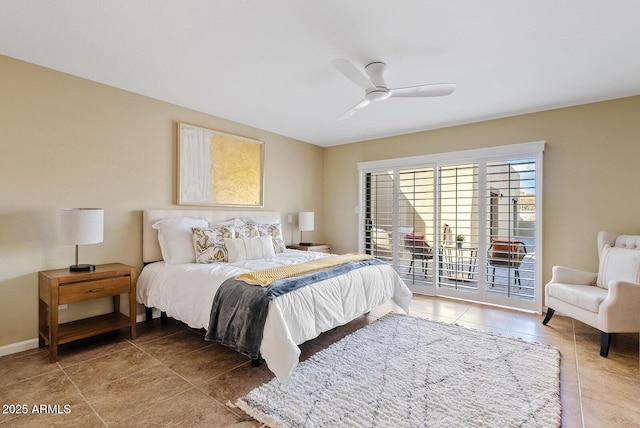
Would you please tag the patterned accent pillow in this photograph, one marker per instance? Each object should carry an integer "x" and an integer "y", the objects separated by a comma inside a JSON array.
[
  {"x": 235, "y": 222},
  {"x": 208, "y": 243},
  {"x": 274, "y": 230},
  {"x": 247, "y": 230}
]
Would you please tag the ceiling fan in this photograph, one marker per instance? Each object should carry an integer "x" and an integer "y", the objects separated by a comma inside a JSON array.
[{"x": 375, "y": 89}]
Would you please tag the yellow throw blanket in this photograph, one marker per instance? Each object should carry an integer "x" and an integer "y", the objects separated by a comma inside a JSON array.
[{"x": 267, "y": 276}]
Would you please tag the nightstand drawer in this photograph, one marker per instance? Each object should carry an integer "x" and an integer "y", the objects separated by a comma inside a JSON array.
[{"x": 94, "y": 289}]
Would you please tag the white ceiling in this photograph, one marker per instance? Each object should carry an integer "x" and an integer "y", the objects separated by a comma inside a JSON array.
[{"x": 267, "y": 64}]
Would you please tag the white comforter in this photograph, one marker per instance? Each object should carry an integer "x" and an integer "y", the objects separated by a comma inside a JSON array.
[{"x": 186, "y": 292}]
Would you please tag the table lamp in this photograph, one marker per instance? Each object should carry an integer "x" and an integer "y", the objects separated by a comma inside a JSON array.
[
  {"x": 81, "y": 226},
  {"x": 305, "y": 223}
]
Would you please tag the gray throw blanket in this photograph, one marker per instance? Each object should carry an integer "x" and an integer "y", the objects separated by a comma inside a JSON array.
[{"x": 239, "y": 310}]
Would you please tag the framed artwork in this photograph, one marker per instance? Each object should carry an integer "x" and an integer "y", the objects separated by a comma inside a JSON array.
[{"x": 219, "y": 169}]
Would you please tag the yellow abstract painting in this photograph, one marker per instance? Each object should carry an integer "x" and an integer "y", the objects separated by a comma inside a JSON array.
[{"x": 215, "y": 168}]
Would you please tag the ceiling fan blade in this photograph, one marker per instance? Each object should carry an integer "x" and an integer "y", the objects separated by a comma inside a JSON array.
[
  {"x": 352, "y": 73},
  {"x": 434, "y": 90},
  {"x": 356, "y": 108}
]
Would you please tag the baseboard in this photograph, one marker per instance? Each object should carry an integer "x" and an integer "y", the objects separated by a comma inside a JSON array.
[{"x": 13, "y": 348}]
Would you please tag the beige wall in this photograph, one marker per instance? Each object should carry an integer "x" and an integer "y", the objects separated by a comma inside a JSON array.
[
  {"x": 69, "y": 142},
  {"x": 590, "y": 174}
]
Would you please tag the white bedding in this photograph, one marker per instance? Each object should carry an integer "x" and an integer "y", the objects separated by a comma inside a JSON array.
[{"x": 186, "y": 292}]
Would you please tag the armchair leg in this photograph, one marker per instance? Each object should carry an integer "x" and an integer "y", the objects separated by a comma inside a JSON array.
[
  {"x": 605, "y": 342},
  {"x": 550, "y": 313}
]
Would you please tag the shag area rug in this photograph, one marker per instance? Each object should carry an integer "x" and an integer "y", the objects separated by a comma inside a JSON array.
[{"x": 402, "y": 371}]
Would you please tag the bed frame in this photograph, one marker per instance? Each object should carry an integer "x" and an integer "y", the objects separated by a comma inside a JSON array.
[{"x": 151, "y": 247}]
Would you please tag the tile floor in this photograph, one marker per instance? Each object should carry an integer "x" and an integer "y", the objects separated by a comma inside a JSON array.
[{"x": 170, "y": 376}]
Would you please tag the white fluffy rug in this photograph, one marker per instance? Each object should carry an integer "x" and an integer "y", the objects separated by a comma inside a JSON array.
[{"x": 402, "y": 371}]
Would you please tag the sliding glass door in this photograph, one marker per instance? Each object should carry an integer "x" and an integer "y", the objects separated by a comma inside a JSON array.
[
  {"x": 458, "y": 228},
  {"x": 415, "y": 218},
  {"x": 512, "y": 226},
  {"x": 458, "y": 198}
]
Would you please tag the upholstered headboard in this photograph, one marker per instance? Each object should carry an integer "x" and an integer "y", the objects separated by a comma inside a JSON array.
[{"x": 150, "y": 246}]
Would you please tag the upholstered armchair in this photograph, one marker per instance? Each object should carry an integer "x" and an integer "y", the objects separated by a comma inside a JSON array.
[{"x": 608, "y": 300}]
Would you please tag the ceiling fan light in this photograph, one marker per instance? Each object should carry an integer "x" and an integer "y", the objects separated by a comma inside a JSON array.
[{"x": 377, "y": 95}]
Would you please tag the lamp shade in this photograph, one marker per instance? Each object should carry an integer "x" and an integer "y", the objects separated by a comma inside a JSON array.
[
  {"x": 306, "y": 220},
  {"x": 79, "y": 226}
]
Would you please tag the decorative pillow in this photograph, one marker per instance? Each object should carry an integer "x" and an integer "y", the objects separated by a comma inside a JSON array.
[
  {"x": 209, "y": 243},
  {"x": 622, "y": 264},
  {"x": 247, "y": 231},
  {"x": 249, "y": 248},
  {"x": 274, "y": 230},
  {"x": 174, "y": 236}
]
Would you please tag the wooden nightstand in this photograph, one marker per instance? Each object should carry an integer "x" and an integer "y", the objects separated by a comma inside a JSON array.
[
  {"x": 61, "y": 286},
  {"x": 320, "y": 248}
]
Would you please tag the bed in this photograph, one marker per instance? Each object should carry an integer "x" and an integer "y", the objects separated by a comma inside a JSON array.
[{"x": 184, "y": 288}]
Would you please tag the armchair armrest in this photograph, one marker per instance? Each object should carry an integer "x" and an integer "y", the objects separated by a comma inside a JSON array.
[
  {"x": 567, "y": 275},
  {"x": 619, "y": 310}
]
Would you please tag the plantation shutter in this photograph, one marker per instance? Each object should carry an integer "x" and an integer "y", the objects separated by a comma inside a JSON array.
[
  {"x": 416, "y": 215},
  {"x": 459, "y": 217},
  {"x": 511, "y": 226},
  {"x": 378, "y": 215},
  {"x": 462, "y": 224}
]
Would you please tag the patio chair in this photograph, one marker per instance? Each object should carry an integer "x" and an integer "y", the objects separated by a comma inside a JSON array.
[
  {"x": 608, "y": 300},
  {"x": 506, "y": 253},
  {"x": 419, "y": 250}
]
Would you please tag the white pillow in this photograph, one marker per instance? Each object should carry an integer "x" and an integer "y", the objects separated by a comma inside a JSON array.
[
  {"x": 622, "y": 264},
  {"x": 249, "y": 248},
  {"x": 174, "y": 236}
]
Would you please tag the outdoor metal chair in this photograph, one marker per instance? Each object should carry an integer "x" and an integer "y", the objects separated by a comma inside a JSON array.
[
  {"x": 506, "y": 254},
  {"x": 419, "y": 250}
]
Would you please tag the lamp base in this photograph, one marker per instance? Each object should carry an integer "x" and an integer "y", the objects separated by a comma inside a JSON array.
[
  {"x": 305, "y": 244},
  {"x": 82, "y": 268}
]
